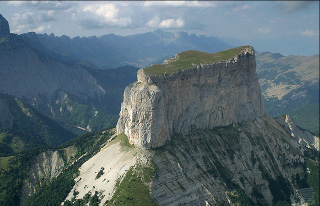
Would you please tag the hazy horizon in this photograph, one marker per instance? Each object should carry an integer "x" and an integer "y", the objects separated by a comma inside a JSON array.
[{"x": 289, "y": 28}]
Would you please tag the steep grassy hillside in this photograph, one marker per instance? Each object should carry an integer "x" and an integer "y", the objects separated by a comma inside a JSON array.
[
  {"x": 27, "y": 128},
  {"x": 13, "y": 141},
  {"x": 16, "y": 168},
  {"x": 290, "y": 85},
  {"x": 289, "y": 82},
  {"x": 307, "y": 117},
  {"x": 13, "y": 170}
]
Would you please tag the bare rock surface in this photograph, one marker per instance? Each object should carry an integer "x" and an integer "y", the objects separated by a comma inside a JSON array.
[
  {"x": 47, "y": 165},
  {"x": 203, "y": 96},
  {"x": 113, "y": 162},
  {"x": 201, "y": 167}
]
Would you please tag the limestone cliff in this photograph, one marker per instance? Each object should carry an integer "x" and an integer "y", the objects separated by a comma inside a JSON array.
[{"x": 204, "y": 91}]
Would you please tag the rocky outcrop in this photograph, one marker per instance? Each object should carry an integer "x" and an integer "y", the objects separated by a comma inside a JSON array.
[
  {"x": 47, "y": 165},
  {"x": 202, "y": 96},
  {"x": 4, "y": 26},
  {"x": 201, "y": 167},
  {"x": 303, "y": 137}
]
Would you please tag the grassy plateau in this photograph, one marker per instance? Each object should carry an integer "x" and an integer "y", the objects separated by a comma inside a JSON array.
[{"x": 184, "y": 60}]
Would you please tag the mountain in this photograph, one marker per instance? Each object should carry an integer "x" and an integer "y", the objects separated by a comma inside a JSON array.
[
  {"x": 58, "y": 76},
  {"x": 26, "y": 128},
  {"x": 178, "y": 95},
  {"x": 111, "y": 51},
  {"x": 4, "y": 27},
  {"x": 192, "y": 131},
  {"x": 290, "y": 84},
  {"x": 205, "y": 114},
  {"x": 241, "y": 156},
  {"x": 199, "y": 151},
  {"x": 74, "y": 95}
]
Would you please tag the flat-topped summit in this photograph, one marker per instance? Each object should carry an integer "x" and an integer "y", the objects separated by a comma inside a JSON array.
[
  {"x": 194, "y": 90},
  {"x": 188, "y": 59}
]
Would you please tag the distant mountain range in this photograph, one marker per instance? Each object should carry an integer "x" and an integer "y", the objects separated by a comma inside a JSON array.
[{"x": 111, "y": 51}]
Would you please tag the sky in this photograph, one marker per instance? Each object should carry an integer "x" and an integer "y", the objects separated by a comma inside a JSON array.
[{"x": 287, "y": 27}]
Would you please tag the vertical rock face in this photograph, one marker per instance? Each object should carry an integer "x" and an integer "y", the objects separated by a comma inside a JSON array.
[
  {"x": 4, "y": 26},
  {"x": 205, "y": 95}
]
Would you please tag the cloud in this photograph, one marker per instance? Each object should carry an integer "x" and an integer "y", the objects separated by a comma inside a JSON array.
[
  {"x": 194, "y": 25},
  {"x": 47, "y": 16},
  {"x": 28, "y": 22},
  {"x": 102, "y": 15},
  {"x": 24, "y": 18},
  {"x": 310, "y": 33},
  {"x": 44, "y": 5},
  {"x": 166, "y": 23},
  {"x": 41, "y": 28},
  {"x": 172, "y": 23},
  {"x": 154, "y": 23},
  {"x": 294, "y": 6},
  {"x": 108, "y": 11},
  {"x": 240, "y": 7},
  {"x": 179, "y": 4},
  {"x": 264, "y": 30},
  {"x": 16, "y": 3}
]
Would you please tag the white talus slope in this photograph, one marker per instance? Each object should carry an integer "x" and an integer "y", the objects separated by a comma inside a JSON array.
[{"x": 115, "y": 160}]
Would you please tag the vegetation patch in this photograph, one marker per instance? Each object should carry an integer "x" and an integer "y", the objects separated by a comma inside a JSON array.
[
  {"x": 88, "y": 199},
  {"x": 239, "y": 197},
  {"x": 13, "y": 170},
  {"x": 134, "y": 189},
  {"x": 124, "y": 141},
  {"x": 100, "y": 173},
  {"x": 313, "y": 179},
  {"x": 186, "y": 59},
  {"x": 57, "y": 189}
]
